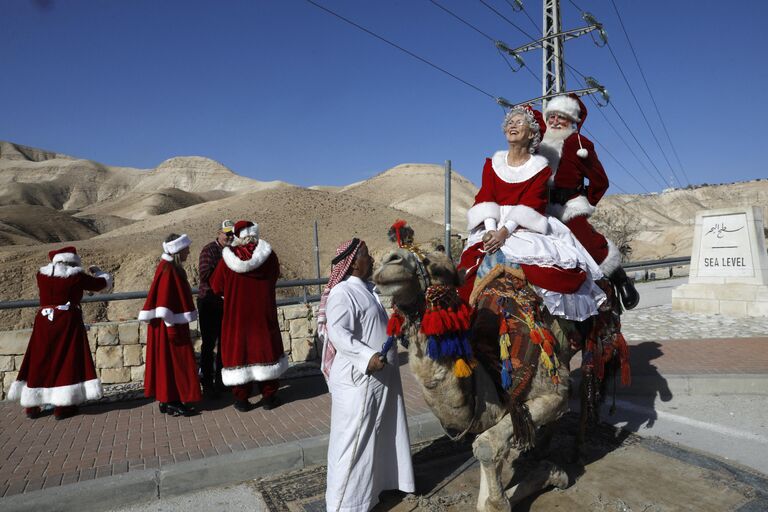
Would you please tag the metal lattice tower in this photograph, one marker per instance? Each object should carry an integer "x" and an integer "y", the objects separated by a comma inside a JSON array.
[
  {"x": 552, "y": 45},
  {"x": 553, "y": 74}
]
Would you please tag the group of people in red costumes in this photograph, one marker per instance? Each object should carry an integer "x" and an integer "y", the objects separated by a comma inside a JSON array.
[{"x": 58, "y": 368}]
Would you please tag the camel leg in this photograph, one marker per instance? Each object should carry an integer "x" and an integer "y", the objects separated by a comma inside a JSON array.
[
  {"x": 544, "y": 475},
  {"x": 491, "y": 449}
]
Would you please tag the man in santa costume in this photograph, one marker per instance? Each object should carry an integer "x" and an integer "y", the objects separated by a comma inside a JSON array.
[
  {"x": 251, "y": 344},
  {"x": 58, "y": 367},
  {"x": 171, "y": 371},
  {"x": 573, "y": 159}
]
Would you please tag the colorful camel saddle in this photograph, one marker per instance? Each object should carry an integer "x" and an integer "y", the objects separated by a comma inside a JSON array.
[{"x": 509, "y": 311}]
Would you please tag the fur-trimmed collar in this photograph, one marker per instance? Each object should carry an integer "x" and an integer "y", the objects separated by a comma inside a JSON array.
[
  {"x": 60, "y": 270},
  {"x": 167, "y": 257},
  {"x": 517, "y": 174},
  {"x": 260, "y": 254}
]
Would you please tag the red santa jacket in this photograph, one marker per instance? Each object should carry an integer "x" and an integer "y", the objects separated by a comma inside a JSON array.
[
  {"x": 169, "y": 297},
  {"x": 251, "y": 344}
]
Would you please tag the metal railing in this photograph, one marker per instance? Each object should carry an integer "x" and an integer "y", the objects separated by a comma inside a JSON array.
[
  {"x": 666, "y": 262},
  {"x": 107, "y": 297}
]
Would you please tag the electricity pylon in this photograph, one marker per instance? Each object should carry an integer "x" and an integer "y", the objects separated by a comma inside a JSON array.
[{"x": 553, "y": 60}]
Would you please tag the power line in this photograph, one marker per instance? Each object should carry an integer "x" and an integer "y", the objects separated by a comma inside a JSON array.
[
  {"x": 653, "y": 100},
  {"x": 621, "y": 138},
  {"x": 473, "y": 27},
  {"x": 605, "y": 150},
  {"x": 422, "y": 59},
  {"x": 642, "y": 112},
  {"x": 529, "y": 36},
  {"x": 525, "y": 11}
]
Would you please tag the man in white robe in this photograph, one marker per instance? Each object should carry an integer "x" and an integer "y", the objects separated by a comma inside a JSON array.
[{"x": 369, "y": 447}]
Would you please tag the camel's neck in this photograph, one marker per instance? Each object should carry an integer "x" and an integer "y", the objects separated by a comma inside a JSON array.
[{"x": 453, "y": 400}]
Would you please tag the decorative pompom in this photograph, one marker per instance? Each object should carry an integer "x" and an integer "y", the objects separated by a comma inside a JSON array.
[
  {"x": 387, "y": 345},
  {"x": 461, "y": 369},
  {"x": 433, "y": 350},
  {"x": 401, "y": 233},
  {"x": 395, "y": 324},
  {"x": 582, "y": 153}
]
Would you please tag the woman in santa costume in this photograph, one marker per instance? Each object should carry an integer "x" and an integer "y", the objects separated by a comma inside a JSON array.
[
  {"x": 58, "y": 367},
  {"x": 171, "y": 370},
  {"x": 508, "y": 215},
  {"x": 251, "y": 345}
]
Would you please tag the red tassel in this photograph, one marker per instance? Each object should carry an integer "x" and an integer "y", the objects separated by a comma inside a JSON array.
[
  {"x": 626, "y": 373},
  {"x": 395, "y": 324},
  {"x": 536, "y": 336},
  {"x": 432, "y": 324}
]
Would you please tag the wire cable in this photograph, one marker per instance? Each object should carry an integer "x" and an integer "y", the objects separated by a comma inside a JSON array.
[
  {"x": 473, "y": 27},
  {"x": 417, "y": 57},
  {"x": 653, "y": 100},
  {"x": 529, "y": 36},
  {"x": 616, "y": 131},
  {"x": 525, "y": 11}
]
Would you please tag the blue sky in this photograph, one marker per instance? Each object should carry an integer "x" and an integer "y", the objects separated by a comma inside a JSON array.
[{"x": 278, "y": 89}]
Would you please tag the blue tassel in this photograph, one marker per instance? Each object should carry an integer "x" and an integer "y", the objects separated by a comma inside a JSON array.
[
  {"x": 404, "y": 341},
  {"x": 506, "y": 379},
  {"x": 466, "y": 346},
  {"x": 448, "y": 347},
  {"x": 433, "y": 350},
  {"x": 387, "y": 345}
]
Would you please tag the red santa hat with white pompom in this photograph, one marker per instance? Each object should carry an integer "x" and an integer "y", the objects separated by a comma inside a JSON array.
[{"x": 571, "y": 106}]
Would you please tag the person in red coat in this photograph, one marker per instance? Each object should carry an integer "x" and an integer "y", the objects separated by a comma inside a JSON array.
[
  {"x": 251, "y": 344},
  {"x": 170, "y": 374},
  {"x": 58, "y": 367},
  {"x": 573, "y": 160}
]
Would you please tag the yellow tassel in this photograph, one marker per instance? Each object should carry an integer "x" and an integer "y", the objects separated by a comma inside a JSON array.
[
  {"x": 461, "y": 369},
  {"x": 544, "y": 358},
  {"x": 504, "y": 344}
]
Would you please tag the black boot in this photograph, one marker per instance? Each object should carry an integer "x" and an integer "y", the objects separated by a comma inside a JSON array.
[{"x": 625, "y": 288}]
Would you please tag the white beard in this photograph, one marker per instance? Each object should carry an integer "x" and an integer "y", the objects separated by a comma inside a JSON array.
[{"x": 551, "y": 147}]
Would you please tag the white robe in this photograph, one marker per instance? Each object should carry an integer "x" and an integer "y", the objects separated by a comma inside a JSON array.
[{"x": 369, "y": 448}]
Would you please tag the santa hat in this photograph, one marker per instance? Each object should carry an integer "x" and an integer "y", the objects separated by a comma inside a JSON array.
[
  {"x": 574, "y": 108},
  {"x": 177, "y": 245},
  {"x": 245, "y": 228},
  {"x": 64, "y": 255}
]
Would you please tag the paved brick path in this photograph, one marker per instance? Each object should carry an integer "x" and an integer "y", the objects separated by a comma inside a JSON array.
[{"x": 112, "y": 438}]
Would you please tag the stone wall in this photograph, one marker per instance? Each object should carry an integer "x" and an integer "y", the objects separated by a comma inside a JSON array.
[{"x": 119, "y": 349}]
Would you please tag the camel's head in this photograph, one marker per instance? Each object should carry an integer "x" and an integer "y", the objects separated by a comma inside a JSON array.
[{"x": 406, "y": 272}]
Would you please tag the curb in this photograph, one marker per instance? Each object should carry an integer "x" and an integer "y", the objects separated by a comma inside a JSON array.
[{"x": 184, "y": 477}]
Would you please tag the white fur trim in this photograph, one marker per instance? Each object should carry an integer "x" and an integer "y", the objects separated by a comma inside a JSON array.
[
  {"x": 66, "y": 257},
  {"x": 565, "y": 105},
  {"x": 254, "y": 372},
  {"x": 481, "y": 211},
  {"x": 575, "y": 207},
  {"x": 59, "y": 396},
  {"x": 107, "y": 277},
  {"x": 520, "y": 173},
  {"x": 259, "y": 256},
  {"x": 249, "y": 231},
  {"x": 168, "y": 316},
  {"x": 166, "y": 257},
  {"x": 177, "y": 245},
  {"x": 527, "y": 217},
  {"x": 60, "y": 270},
  {"x": 612, "y": 261}
]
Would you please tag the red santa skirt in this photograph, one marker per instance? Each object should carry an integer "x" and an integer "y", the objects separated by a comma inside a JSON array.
[
  {"x": 171, "y": 370},
  {"x": 58, "y": 367}
]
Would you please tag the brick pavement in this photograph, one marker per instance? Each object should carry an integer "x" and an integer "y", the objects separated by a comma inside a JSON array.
[{"x": 111, "y": 438}]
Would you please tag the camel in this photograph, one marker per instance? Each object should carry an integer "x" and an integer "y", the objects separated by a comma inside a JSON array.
[{"x": 473, "y": 404}]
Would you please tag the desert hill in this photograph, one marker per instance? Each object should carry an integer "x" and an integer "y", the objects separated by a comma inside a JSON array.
[
  {"x": 419, "y": 189},
  {"x": 119, "y": 216}
]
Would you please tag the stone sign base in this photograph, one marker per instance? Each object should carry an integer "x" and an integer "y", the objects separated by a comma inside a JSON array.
[{"x": 734, "y": 300}]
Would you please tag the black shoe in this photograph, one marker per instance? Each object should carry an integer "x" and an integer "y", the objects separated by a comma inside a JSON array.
[
  {"x": 243, "y": 405},
  {"x": 180, "y": 409},
  {"x": 625, "y": 288},
  {"x": 62, "y": 413},
  {"x": 33, "y": 412},
  {"x": 163, "y": 407},
  {"x": 271, "y": 403}
]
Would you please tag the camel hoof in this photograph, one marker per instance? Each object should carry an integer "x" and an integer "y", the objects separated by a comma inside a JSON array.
[{"x": 559, "y": 478}]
